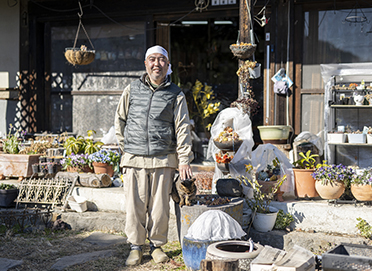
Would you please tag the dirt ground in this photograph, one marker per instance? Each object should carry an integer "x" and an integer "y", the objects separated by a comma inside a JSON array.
[{"x": 40, "y": 250}]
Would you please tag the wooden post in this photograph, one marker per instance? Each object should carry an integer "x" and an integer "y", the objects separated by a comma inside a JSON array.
[
  {"x": 219, "y": 265},
  {"x": 244, "y": 27}
]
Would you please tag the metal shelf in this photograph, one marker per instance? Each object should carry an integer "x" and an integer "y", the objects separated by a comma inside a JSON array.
[
  {"x": 351, "y": 106},
  {"x": 351, "y": 144}
]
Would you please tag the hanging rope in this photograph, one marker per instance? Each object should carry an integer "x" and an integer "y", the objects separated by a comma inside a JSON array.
[{"x": 82, "y": 26}]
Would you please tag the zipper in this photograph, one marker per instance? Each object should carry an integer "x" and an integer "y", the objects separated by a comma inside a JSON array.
[{"x": 147, "y": 122}]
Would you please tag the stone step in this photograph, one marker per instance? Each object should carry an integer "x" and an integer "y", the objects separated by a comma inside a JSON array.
[{"x": 310, "y": 215}]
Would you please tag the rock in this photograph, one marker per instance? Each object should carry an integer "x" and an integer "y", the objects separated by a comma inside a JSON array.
[
  {"x": 104, "y": 239},
  {"x": 6, "y": 264},
  {"x": 81, "y": 258}
]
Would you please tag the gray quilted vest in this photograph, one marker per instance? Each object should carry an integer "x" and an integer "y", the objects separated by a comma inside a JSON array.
[{"x": 149, "y": 130}]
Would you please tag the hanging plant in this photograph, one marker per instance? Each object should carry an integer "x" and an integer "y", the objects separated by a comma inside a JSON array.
[
  {"x": 243, "y": 50},
  {"x": 80, "y": 56},
  {"x": 247, "y": 104}
]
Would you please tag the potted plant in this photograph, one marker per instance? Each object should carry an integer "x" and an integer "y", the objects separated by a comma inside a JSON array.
[
  {"x": 105, "y": 161},
  {"x": 264, "y": 215},
  {"x": 77, "y": 163},
  {"x": 80, "y": 144},
  {"x": 223, "y": 160},
  {"x": 361, "y": 186},
  {"x": 304, "y": 182},
  {"x": 8, "y": 193},
  {"x": 269, "y": 176},
  {"x": 368, "y": 96},
  {"x": 331, "y": 180},
  {"x": 15, "y": 161}
]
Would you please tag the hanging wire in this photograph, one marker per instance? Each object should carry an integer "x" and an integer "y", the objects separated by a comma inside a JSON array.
[
  {"x": 112, "y": 20},
  {"x": 82, "y": 26}
]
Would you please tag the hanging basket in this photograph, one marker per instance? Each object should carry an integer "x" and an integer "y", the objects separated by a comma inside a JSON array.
[
  {"x": 243, "y": 51},
  {"x": 77, "y": 56}
]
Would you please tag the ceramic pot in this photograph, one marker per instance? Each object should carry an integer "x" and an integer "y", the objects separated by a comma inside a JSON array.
[
  {"x": 304, "y": 183},
  {"x": 224, "y": 167},
  {"x": 194, "y": 251},
  {"x": 7, "y": 196},
  {"x": 100, "y": 168},
  {"x": 332, "y": 190},
  {"x": 275, "y": 134},
  {"x": 362, "y": 192},
  {"x": 234, "y": 250},
  {"x": 266, "y": 188},
  {"x": 358, "y": 99},
  {"x": 80, "y": 169},
  {"x": 265, "y": 222}
]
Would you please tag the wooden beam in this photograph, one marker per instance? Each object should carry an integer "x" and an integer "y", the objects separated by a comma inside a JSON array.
[{"x": 298, "y": 52}]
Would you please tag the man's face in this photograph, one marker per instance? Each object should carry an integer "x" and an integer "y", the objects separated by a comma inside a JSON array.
[{"x": 156, "y": 67}]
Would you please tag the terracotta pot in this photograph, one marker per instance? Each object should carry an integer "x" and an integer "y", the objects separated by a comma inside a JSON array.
[
  {"x": 362, "y": 192},
  {"x": 80, "y": 169},
  {"x": 268, "y": 186},
  {"x": 100, "y": 168},
  {"x": 304, "y": 183},
  {"x": 332, "y": 190}
]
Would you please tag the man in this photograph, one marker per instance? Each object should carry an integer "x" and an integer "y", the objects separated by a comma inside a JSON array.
[{"x": 152, "y": 127}]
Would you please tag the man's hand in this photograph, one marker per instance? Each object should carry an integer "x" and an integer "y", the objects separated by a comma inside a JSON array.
[{"x": 185, "y": 172}]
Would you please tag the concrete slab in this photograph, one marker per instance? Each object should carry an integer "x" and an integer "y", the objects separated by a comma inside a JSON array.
[
  {"x": 6, "y": 264},
  {"x": 81, "y": 258},
  {"x": 104, "y": 239}
]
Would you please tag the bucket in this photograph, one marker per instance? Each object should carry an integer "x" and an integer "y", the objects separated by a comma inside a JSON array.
[{"x": 256, "y": 72}]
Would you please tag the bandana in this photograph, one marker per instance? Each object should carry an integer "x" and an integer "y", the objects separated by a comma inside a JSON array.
[{"x": 159, "y": 50}]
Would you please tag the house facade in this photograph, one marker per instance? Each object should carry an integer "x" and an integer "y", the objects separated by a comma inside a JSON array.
[{"x": 294, "y": 35}]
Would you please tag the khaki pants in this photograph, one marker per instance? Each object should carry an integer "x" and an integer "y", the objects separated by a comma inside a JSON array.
[{"x": 147, "y": 204}]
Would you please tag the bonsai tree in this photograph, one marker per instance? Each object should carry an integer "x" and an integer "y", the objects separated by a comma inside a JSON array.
[{"x": 307, "y": 161}]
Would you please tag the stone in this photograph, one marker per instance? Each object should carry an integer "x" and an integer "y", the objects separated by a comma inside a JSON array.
[
  {"x": 81, "y": 258},
  {"x": 104, "y": 239},
  {"x": 6, "y": 264}
]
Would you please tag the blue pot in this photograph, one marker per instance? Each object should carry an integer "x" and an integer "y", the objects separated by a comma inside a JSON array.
[{"x": 194, "y": 252}]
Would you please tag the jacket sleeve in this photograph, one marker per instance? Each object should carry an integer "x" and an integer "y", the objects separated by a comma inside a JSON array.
[
  {"x": 121, "y": 116},
  {"x": 182, "y": 128}
]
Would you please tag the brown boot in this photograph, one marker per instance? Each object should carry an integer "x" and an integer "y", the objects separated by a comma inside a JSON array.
[
  {"x": 159, "y": 256},
  {"x": 134, "y": 258}
]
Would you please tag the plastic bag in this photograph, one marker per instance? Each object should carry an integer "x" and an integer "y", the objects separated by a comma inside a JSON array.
[
  {"x": 281, "y": 87},
  {"x": 264, "y": 155},
  {"x": 110, "y": 137},
  {"x": 310, "y": 137},
  {"x": 242, "y": 125},
  {"x": 215, "y": 225}
]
